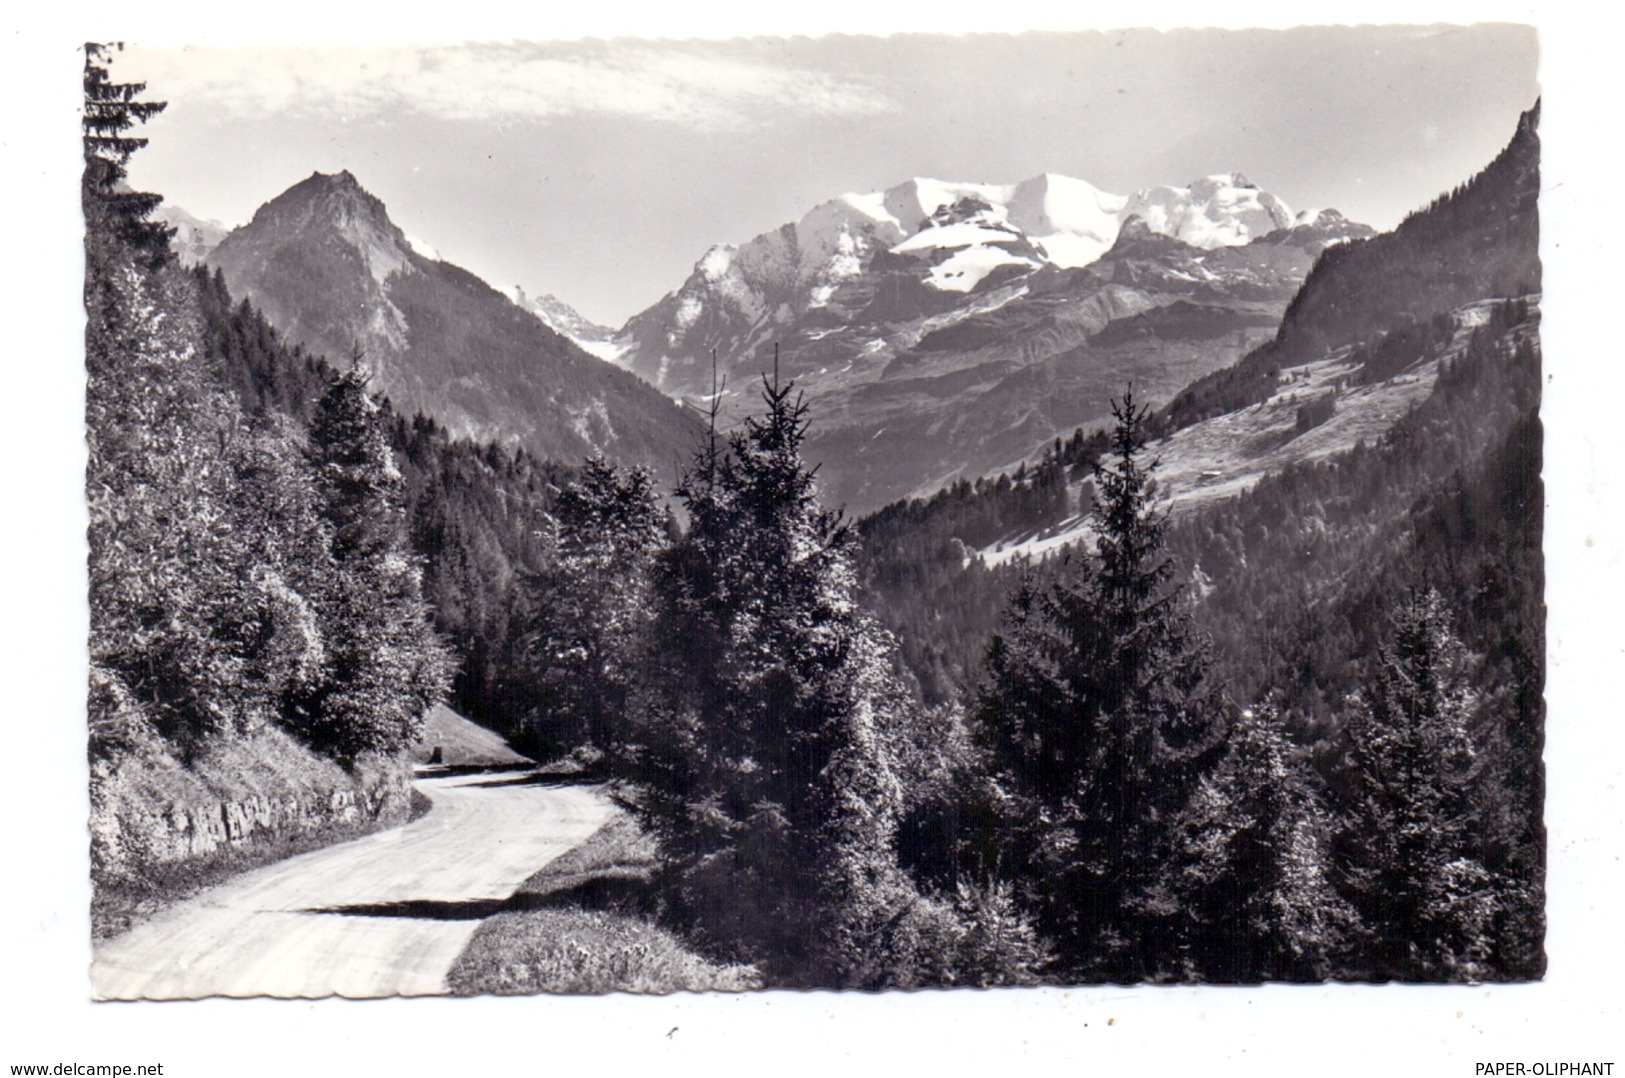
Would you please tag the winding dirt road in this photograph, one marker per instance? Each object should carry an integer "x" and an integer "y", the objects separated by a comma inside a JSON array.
[{"x": 383, "y": 915}]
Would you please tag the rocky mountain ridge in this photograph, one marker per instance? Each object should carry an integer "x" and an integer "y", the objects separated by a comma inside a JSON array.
[
  {"x": 949, "y": 329},
  {"x": 333, "y": 273}
]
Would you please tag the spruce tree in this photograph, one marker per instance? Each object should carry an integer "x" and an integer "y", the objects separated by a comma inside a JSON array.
[
  {"x": 1100, "y": 718},
  {"x": 768, "y": 761},
  {"x": 1427, "y": 902},
  {"x": 1256, "y": 872},
  {"x": 112, "y": 210},
  {"x": 387, "y": 666},
  {"x": 592, "y": 607}
]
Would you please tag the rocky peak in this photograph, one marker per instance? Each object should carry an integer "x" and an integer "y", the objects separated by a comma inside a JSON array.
[{"x": 964, "y": 208}]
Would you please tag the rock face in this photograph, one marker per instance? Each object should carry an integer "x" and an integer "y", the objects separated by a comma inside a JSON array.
[
  {"x": 945, "y": 329},
  {"x": 150, "y": 813},
  {"x": 332, "y": 272}
]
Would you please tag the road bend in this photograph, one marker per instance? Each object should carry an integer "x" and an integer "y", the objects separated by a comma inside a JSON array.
[{"x": 383, "y": 915}]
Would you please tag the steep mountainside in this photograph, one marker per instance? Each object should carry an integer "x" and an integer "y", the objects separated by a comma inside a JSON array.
[
  {"x": 1479, "y": 241},
  {"x": 1323, "y": 408},
  {"x": 1358, "y": 452},
  {"x": 330, "y": 270},
  {"x": 946, "y": 330}
]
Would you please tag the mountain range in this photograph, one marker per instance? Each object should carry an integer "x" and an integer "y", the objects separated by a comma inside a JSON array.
[
  {"x": 945, "y": 330},
  {"x": 939, "y": 330},
  {"x": 333, "y": 273}
]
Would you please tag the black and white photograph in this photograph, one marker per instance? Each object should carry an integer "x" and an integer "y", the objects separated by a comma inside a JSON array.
[{"x": 1046, "y": 517}]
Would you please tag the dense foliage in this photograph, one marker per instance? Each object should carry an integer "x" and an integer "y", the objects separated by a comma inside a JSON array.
[
  {"x": 1101, "y": 718},
  {"x": 1428, "y": 902},
  {"x": 775, "y": 740},
  {"x": 243, "y": 570},
  {"x": 477, "y": 515},
  {"x": 590, "y": 605}
]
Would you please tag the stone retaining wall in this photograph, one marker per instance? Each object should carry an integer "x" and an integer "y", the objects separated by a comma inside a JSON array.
[{"x": 144, "y": 818}]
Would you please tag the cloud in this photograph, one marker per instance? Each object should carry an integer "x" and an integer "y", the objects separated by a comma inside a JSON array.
[{"x": 702, "y": 86}]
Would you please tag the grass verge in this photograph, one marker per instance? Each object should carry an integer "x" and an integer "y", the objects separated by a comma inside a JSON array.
[{"x": 583, "y": 924}]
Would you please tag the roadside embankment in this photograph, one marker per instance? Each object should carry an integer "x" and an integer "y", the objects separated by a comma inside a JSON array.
[{"x": 162, "y": 829}]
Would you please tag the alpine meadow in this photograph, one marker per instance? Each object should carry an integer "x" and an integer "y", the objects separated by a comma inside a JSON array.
[{"x": 947, "y": 583}]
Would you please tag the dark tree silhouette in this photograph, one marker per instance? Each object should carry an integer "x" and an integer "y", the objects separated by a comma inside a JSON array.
[
  {"x": 1100, "y": 718},
  {"x": 111, "y": 209}
]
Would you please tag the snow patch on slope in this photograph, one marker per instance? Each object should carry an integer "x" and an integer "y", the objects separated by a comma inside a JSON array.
[{"x": 966, "y": 269}]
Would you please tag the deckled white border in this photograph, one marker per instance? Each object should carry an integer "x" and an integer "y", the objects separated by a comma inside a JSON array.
[{"x": 45, "y": 1016}]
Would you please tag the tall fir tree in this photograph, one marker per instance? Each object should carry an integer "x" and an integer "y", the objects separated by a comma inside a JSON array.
[
  {"x": 592, "y": 607},
  {"x": 1256, "y": 870},
  {"x": 387, "y": 666},
  {"x": 769, "y": 735},
  {"x": 1100, "y": 719},
  {"x": 1427, "y": 902},
  {"x": 113, "y": 212}
]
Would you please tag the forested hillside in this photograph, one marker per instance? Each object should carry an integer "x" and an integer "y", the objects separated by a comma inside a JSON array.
[
  {"x": 259, "y": 642},
  {"x": 1301, "y": 583},
  {"x": 478, "y": 514}
]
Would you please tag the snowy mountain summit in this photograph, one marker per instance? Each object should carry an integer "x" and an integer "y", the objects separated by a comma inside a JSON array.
[
  {"x": 956, "y": 241},
  {"x": 942, "y": 328},
  {"x": 1049, "y": 219},
  {"x": 958, "y": 235},
  {"x": 1225, "y": 210}
]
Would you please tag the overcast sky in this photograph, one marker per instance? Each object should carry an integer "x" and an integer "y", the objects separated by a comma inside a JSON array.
[{"x": 602, "y": 171}]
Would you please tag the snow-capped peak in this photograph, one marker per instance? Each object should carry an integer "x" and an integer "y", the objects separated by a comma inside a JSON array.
[
  {"x": 1072, "y": 221},
  {"x": 1222, "y": 210},
  {"x": 1069, "y": 222},
  {"x": 1327, "y": 218},
  {"x": 714, "y": 266},
  {"x": 963, "y": 236},
  {"x": 562, "y": 318}
]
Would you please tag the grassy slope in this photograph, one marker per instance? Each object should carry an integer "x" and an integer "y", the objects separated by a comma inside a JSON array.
[{"x": 582, "y": 925}]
